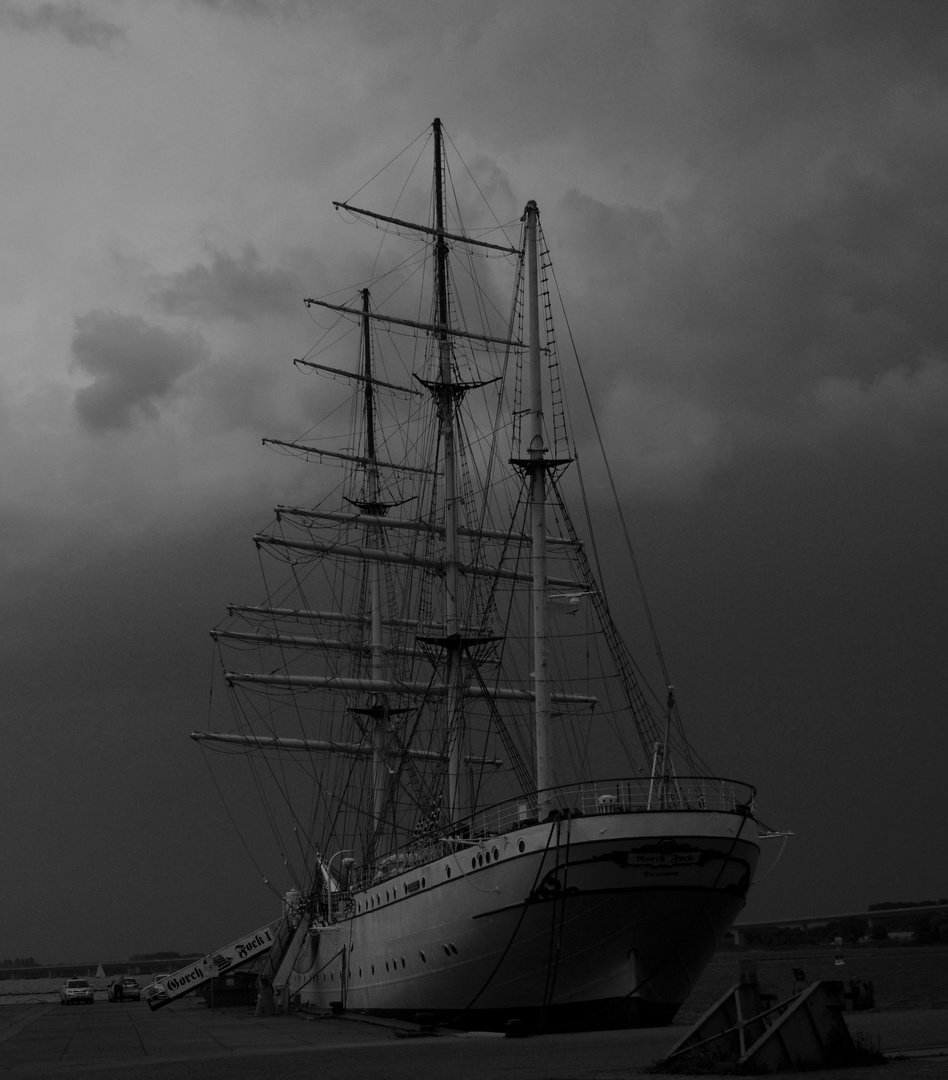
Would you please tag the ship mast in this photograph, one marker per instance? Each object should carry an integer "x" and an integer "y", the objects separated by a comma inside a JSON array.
[
  {"x": 379, "y": 711},
  {"x": 536, "y": 465},
  {"x": 446, "y": 396},
  {"x": 369, "y": 502}
]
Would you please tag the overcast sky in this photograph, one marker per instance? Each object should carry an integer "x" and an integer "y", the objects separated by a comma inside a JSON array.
[{"x": 746, "y": 204}]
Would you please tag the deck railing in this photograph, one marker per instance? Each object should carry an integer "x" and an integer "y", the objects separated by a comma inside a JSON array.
[
  {"x": 621, "y": 796},
  {"x": 638, "y": 795}
]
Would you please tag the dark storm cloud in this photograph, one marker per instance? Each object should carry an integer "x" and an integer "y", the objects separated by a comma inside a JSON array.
[
  {"x": 134, "y": 366},
  {"x": 746, "y": 209},
  {"x": 793, "y": 283},
  {"x": 241, "y": 289},
  {"x": 71, "y": 21},
  {"x": 260, "y": 8}
]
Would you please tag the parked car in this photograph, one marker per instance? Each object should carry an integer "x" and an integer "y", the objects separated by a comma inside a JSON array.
[
  {"x": 76, "y": 992},
  {"x": 156, "y": 988},
  {"x": 131, "y": 990}
]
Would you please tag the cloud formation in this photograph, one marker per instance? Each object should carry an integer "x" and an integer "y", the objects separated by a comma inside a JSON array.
[
  {"x": 230, "y": 288},
  {"x": 135, "y": 366},
  {"x": 746, "y": 208},
  {"x": 70, "y": 20}
]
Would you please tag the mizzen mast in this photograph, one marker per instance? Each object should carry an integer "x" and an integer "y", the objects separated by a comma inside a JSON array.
[{"x": 377, "y": 713}]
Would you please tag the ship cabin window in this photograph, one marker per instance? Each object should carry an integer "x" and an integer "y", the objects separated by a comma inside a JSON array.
[
  {"x": 447, "y": 871},
  {"x": 496, "y": 854},
  {"x": 422, "y": 955},
  {"x": 521, "y": 847}
]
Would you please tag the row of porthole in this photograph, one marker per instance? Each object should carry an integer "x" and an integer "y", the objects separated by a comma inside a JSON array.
[
  {"x": 450, "y": 949},
  {"x": 481, "y": 857},
  {"x": 376, "y": 901},
  {"x": 476, "y": 861}
]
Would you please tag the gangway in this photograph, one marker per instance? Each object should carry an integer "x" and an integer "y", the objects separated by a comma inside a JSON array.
[
  {"x": 284, "y": 967},
  {"x": 275, "y": 939}
]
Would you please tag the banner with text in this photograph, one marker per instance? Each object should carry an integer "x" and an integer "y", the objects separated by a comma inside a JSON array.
[{"x": 231, "y": 956}]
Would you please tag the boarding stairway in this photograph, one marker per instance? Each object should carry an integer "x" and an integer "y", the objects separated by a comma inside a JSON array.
[{"x": 279, "y": 942}]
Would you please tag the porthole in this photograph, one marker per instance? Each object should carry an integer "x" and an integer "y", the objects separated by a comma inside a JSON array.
[
  {"x": 473, "y": 864},
  {"x": 480, "y": 860},
  {"x": 423, "y": 883},
  {"x": 447, "y": 951},
  {"x": 403, "y": 961},
  {"x": 422, "y": 955},
  {"x": 521, "y": 847},
  {"x": 447, "y": 871},
  {"x": 496, "y": 854},
  {"x": 373, "y": 969},
  {"x": 386, "y": 965},
  {"x": 453, "y": 947}
]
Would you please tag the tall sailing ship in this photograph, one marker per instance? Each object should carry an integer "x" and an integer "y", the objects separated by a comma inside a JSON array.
[{"x": 501, "y": 819}]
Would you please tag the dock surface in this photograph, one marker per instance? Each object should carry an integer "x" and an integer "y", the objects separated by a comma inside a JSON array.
[{"x": 188, "y": 1040}]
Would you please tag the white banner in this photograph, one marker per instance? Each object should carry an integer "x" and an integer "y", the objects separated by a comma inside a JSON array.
[{"x": 209, "y": 967}]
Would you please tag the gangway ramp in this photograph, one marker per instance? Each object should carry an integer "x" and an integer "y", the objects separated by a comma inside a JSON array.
[{"x": 275, "y": 939}]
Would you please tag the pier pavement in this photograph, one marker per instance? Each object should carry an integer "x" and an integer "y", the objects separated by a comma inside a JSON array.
[{"x": 188, "y": 1041}]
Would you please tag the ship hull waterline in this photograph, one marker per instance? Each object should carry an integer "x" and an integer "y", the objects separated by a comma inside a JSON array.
[{"x": 579, "y": 924}]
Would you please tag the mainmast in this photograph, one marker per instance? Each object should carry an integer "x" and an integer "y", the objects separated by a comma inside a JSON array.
[
  {"x": 536, "y": 465},
  {"x": 446, "y": 395}
]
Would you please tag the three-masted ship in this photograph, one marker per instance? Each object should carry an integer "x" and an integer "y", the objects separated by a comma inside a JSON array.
[{"x": 495, "y": 817}]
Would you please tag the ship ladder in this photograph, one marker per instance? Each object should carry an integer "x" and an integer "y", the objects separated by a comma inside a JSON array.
[{"x": 281, "y": 962}]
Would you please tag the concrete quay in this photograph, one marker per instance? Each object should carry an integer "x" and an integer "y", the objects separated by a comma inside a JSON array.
[{"x": 188, "y": 1041}]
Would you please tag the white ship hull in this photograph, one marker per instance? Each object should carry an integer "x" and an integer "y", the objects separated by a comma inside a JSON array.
[{"x": 589, "y": 922}]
